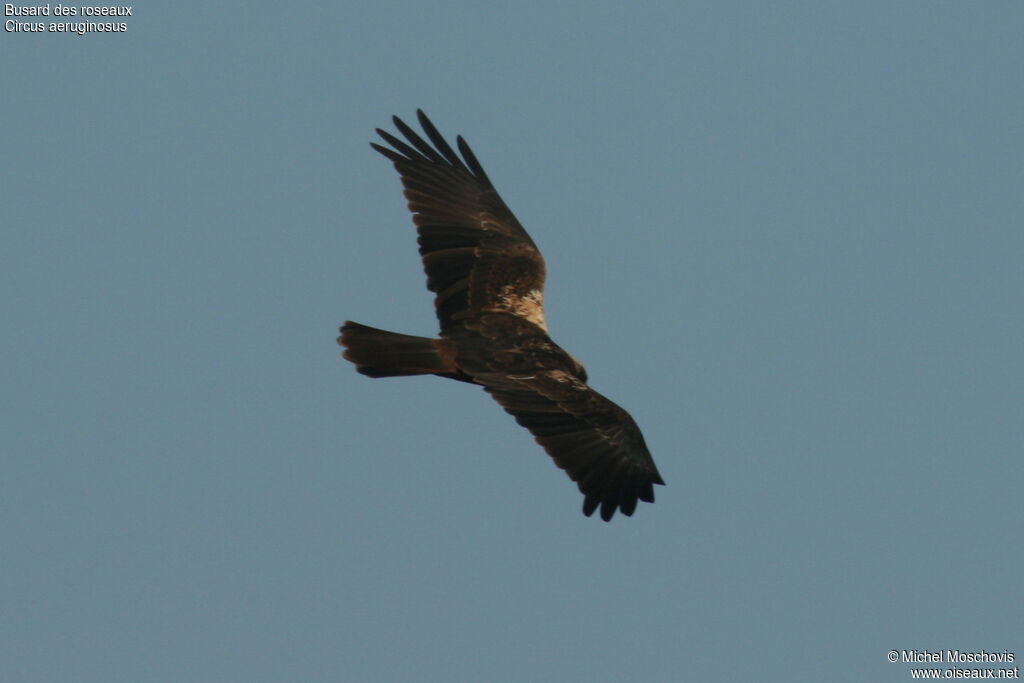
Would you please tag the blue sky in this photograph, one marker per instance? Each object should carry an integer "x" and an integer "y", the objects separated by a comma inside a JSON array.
[{"x": 785, "y": 236}]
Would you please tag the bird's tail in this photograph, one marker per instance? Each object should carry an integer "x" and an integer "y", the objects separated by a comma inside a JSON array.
[{"x": 378, "y": 353}]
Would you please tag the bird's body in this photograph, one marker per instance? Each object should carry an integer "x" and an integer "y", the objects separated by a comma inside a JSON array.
[{"x": 488, "y": 278}]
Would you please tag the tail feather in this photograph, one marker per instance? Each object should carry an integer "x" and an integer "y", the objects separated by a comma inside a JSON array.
[{"x": 378, "y": 353}]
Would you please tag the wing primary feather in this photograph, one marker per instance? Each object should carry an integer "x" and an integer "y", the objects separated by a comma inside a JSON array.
[
  {"x": 647, "y": 492},
  {"x": 472, "y": 162},
  {"x": 418, "y": 142},
  {"x": 628, "y": 504},
  {"x": 439, "y": 142},
  {"x": 628, "y": 486},
  {"x": 410, "y": 153},
  {"x": 389, "y": 153},
  {"x": 608, "y": 506}
]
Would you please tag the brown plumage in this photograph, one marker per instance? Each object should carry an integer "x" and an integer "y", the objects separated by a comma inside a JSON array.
[{"x": 488, "y": 278}]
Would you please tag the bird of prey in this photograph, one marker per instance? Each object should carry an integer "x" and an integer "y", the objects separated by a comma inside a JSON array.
[{"x": 488, "y": 279}]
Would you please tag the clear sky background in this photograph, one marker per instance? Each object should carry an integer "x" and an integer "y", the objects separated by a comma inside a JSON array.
[{"x": 787, "y": 237}]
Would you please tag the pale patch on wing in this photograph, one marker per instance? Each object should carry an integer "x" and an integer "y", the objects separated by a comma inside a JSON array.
[
  {"x": 569, "y": 380},
  {"x": 529, "y": 306}
]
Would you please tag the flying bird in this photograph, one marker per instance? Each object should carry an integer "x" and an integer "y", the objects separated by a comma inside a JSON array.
[{"x": 488, "y": 279}]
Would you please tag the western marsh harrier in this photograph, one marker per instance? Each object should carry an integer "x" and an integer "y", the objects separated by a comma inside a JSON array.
[{"x": 488, "y": 277}]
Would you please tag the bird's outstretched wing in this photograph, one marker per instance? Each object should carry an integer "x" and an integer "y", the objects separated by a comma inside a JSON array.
[
  {"x": 595, "y": 441},
  {"x": 477, "y": 256}
]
